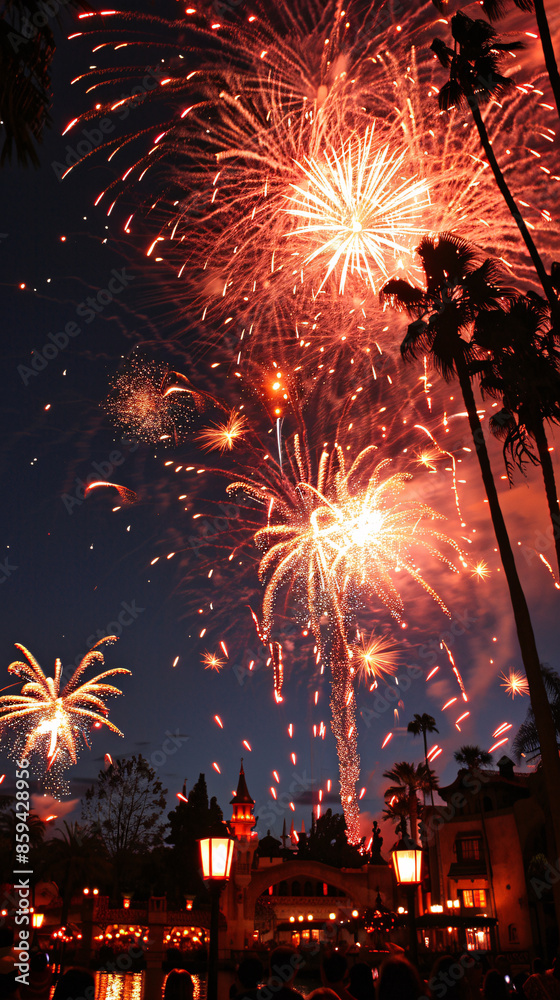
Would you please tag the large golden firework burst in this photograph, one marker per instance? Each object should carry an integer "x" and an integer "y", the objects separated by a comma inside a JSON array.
[
  {"x": 332, "y": 539},
  {"x": 49, "y": 722}
]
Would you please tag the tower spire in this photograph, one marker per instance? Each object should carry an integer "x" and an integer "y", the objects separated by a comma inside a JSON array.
[{"x": 243, "y": 819}]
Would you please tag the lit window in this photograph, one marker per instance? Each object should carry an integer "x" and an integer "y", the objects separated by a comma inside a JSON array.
[
  {"x": 474, "y": 898},
  {"x": 468, "y": 850}
]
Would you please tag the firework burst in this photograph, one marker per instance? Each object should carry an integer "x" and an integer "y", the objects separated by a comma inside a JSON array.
[
  {"x": 223, "y": 437},
  {"x": 142, "y": 404},
  {"x": 330, "y": 541},
  {"x": 374, "y": 657},
  {"x": 515, "y": 683},
  {"x": 307, "y": 156},
  {"x": 48, "y": 722}
]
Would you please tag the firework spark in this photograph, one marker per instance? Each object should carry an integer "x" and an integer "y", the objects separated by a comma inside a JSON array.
[
  {"x": 374, "y": 657},
  {"x": 49, "y": 722},
  {"x": 515, "y": 683},
  {"x": 212, "y": 662},
  {"x": 223, "y": 437}
]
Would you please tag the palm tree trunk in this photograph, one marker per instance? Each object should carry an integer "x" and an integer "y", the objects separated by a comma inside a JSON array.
[
  {"x": 548, "y": 51},
  {"x": 516, "y": 214},
  {"x": 547, "y": 468},
  {"x": 345, "y": 730},
  {"x": 524, "y": 626}
]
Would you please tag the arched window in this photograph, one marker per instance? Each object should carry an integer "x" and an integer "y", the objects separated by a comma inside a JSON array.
[
  {"x": 512, "y": 934},
  {"x": 487, "y": 804},
  {"x": 283, "y": 889},
  {"x": 296, "y": 889},
  {"x": 308, "y": 889}
]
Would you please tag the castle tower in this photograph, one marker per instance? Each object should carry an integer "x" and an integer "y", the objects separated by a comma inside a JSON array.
[
  {"x": 240, "y": 922},
  {"x": 243, "y": 819}
]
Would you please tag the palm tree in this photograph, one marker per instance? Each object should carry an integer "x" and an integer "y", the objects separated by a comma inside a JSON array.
[
  {"x": 526, "y": 742},
  {"x": 523, "y": 370},
  {"x": 74, "y": 859},
  {"x": 27, "y": 47},
  {"x": 457, "y": 291},
  {"x": 409, "y": 779},
  {"x": 423, "y": 724},
  {"x": 472, "y": 758},
  {"x": 397, "y": 811},
  {"x": 473, "y": 80},
  {"x": 496, "y": 9}
]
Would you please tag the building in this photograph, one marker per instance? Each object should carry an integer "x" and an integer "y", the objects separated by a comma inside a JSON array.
[
  {"x": 273, "y": 895},
  {"x": 480, "y": 845}
]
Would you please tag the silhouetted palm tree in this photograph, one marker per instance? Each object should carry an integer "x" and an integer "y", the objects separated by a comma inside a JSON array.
[
  {"x": 27, "y": 47},
  {"x": 523, "y": 370},
  {"x": 409, "y": 779},
  {"x": 74, "y": 859},
  {"x": 474, "y": 78},
  {"x": 458, "y": 289},
  {"x": 423, "y": 724},
  {"x": 472, "y": 758},
  {"x": 496, "y": 9},
  {"x": 526, "y": 742}
]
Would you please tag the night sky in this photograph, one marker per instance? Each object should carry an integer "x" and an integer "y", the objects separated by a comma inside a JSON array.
[{"x": 71, "y": 568}]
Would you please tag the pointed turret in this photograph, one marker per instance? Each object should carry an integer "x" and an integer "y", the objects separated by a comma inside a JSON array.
[{"x": 243, "y": 819}]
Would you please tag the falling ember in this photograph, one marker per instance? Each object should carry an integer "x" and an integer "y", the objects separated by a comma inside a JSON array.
[
  {"x": 515, "y": 683},
  {"x": 431, "y": 674},
  {"x": 276, "y": 777},
  {"x": 500, "y": 743},
  {"x": 247, "y": 745},
  {"x": 293, "y": 759},
  {"x": 362, "y": 793},
  {"x": 388, "y": 737},
  {"x": 175, "y": 661},
  {"x": 127, "y": 496},
  {"x": 218, "y": 721},
  {"x": 216, "y": 767},
  {"x": 502, "y": 729},
  {"x": 181, "y": 797},
  {"x": 448, "y": 704},
  {"x": 49, "y": 722}
]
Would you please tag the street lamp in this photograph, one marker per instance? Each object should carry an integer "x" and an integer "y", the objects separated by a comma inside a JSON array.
[
  {"x": 216, "y": 854},
  {"x": 407, "y": 862}
]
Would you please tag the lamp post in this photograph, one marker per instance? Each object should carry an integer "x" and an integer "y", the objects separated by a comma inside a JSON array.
[
  {"x": 216, "y": 855},
  {"x": 407, "y": 863}
]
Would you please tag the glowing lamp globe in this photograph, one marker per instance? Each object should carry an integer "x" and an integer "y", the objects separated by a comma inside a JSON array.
[
  {"x": 407, "y": 862},
  {"x": 216, "y": 854}
]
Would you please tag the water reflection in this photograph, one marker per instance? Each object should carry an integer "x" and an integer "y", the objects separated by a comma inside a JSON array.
[{"x": 130, "y": 986}]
